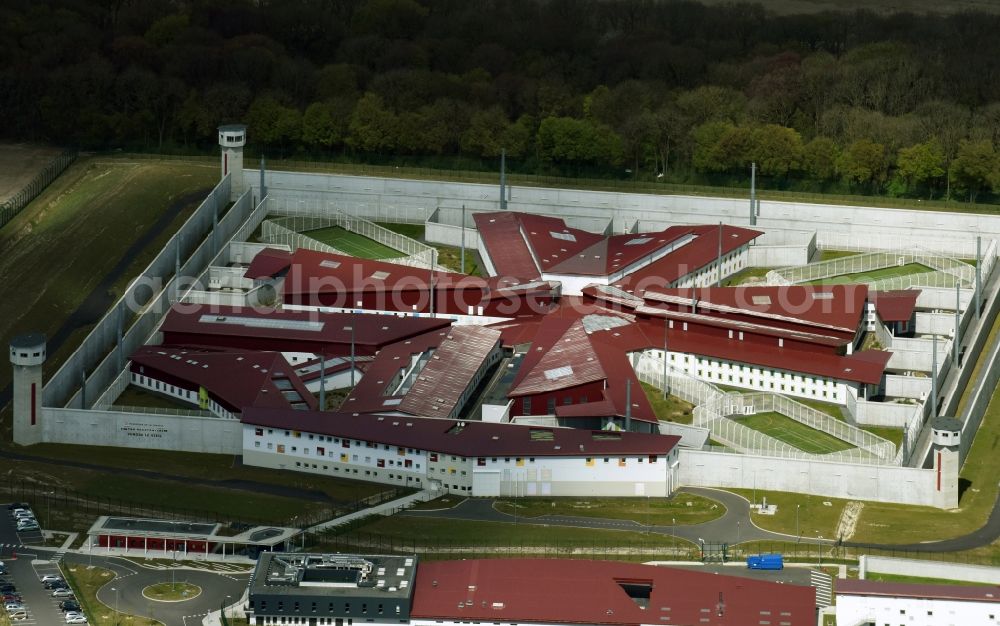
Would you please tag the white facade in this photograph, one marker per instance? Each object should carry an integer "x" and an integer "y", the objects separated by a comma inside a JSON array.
[
  {"x": 179, "y": 393},
  {"x": 596, "y": 475},
  {"x": 758, "y": 378},
  {"x": 27, "y": 354},
  {"x": 891, "y": 611}
]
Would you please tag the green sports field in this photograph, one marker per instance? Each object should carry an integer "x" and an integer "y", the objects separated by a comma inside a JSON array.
[
  {"x": 352, "y": 243},
  {"x": 793, "y": 433},
  {"x": 867, "y": 277}
]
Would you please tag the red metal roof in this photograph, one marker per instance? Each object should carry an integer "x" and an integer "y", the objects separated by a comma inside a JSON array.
[
  {"x": 441, "y": 383},
  {"x": 527, "y": 245},
  {"x": 268, "y": 262},
  {"x": 295, "y": 330},
  {"x": 372, "y": 393},
  {"x": 566, "y": 360},
  {"x": 468, "y": 438},
  {"x": 699, "y": 253},
  {"x": 236, "y": 378},
  {"x": 895, "y": 306},
  {"x": 501, "y": 234},
  {"x": 313, "y": 272},
  {"x": 958, "y": 593},
  {"x": 830, "y": 309},
  {"x": 563, "y": 591}
]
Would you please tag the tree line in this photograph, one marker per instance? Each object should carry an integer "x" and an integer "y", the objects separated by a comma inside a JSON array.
[{"x": 900, "y": 104}]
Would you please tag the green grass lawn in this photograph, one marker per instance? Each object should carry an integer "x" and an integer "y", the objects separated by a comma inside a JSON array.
[
  {"x": 816, "y": 519},
  {"x": 829, "y": 255},
  {"x": 413, "y": 231},
  {"x": 686, "y": 508},
  {"x": 671, "y": 409},
  {"x": 747, "y": 276},
  {"x": 137, "y": 396},
  {"x": 448, "y": 256},
  {"x": 353, "y": 243},
  {"x": 204, "y": 501},
  {"x": 872, "y": 276},
  {"x": 209, "y": 466},
  {"x": 65, "y": 241},
  {"x": 895, "y": 435},
  {"x": 831, "y": 409},
  {"x": 402, "y": 531},
  {"x": 899, "y": 524},
  {"x": 918, "y": 580},
  {"x": 794, "y": 433}
]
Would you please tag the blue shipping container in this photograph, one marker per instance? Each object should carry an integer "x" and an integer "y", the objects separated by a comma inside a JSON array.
[{"x": 765, "y": 561}]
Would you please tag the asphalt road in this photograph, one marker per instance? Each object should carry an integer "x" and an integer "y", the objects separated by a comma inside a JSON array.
[
  {"x": 733, "y": 527},
  {"x": 23, "y": 572},
  {"x": 125, "y": 589}
]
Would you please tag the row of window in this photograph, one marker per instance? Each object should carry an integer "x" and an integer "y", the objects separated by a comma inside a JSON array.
[{"x": 345, "y": 608}]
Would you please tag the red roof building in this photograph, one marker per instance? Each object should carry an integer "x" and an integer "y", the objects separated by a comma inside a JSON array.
[
  {"x": 338, "y": 281},
  {"x": 228, "y": 379},
  {"x": 289, "y": 331},
  {"x": 538, "y": 246},
  {"x": 561, "y": 591}
]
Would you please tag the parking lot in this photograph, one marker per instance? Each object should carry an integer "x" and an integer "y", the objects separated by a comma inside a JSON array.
[{"x": 24, "y": 572}]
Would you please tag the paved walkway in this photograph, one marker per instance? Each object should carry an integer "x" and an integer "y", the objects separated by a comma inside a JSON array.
[
  {"x": 734, "y": 526},
  {"x": 385, "y": 508}
]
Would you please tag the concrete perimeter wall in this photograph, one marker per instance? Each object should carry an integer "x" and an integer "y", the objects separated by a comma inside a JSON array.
[
  {"x": 188, "y": 244},
  {"x": 182, "y": 433},
  {"x": 393, "y": 199},
  {"x": 885, "y": 413},
  {"x": 927, "y": 569},
  {"x": 880, "y": 483}
]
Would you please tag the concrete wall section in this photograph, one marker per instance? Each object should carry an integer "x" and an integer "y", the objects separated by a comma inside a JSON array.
[
  {"x": 142, "y": 430},
  {"x": 935, "y": 324},
  {"x": 884, "y": 413},
  {"x": 901, "y": 485},
  {"x": 777, "y": 256},
  {"x": 943, "y": 298},
  {"x": 917, "y": 387},
  {"x": 839, "y": 225},
  {"x": 691, "y": 436},
  {"x": 928, "y": 569}
]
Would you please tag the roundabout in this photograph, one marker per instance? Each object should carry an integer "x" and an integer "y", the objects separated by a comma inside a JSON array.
[{"x": 171, "y": 592}]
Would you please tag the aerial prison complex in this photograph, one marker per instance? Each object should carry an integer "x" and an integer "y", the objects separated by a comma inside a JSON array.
[{"x": 537, "y": 377}]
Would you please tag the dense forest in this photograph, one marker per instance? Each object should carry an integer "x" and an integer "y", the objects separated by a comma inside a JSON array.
[{"x": 898, "y": 104}]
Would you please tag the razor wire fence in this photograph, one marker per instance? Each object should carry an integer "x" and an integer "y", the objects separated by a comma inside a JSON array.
[{"x": 13, "y": 205}]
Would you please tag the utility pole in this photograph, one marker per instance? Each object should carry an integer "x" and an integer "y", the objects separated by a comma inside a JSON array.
[
  {"x": 979, "y": 276},
  {"x": 353, "y": 360},
  {"x": 958, "y": 322},
  {"x": 665, "y": 358},
  {"x": 462, "y": 234},
  {"x": 322, "y": 382},
  {"x": 934, "y": 377},
  {"x": 433, "y": 263},
  {"x": 718, "y": 261},
  {"x": 503, "y": 179},
  {"x": 753, "y": 193}
]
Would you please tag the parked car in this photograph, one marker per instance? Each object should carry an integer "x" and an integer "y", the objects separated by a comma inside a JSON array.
[
  {"x": 7, "y": 588},
  {"x": 70, "y": 606},
  {"x": 55, "y": 584},
  {"x": 18, "y": 614},
  {"x": 62, "y": 592},
  {"x": 13, "y": 606},
  {"x": 50, "y": 578},
  {"x": 13, "y": 506},
  {"x": 79, "y": 619}
]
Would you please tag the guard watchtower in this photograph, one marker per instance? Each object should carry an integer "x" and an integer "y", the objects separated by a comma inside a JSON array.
[
  {"x": 27, "y": 354},
  {"x": 946, "y": 439},
  {"x": 232, "y": 139}
]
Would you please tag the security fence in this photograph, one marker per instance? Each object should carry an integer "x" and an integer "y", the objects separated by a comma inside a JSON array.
[
  {"x": 717, "y": 416},
  {"x": 949, "y": 268},
  {"x": 649, "y": 369},
  {"x": 13, "y": 205},
  {"x": 299, "y": 221}
]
